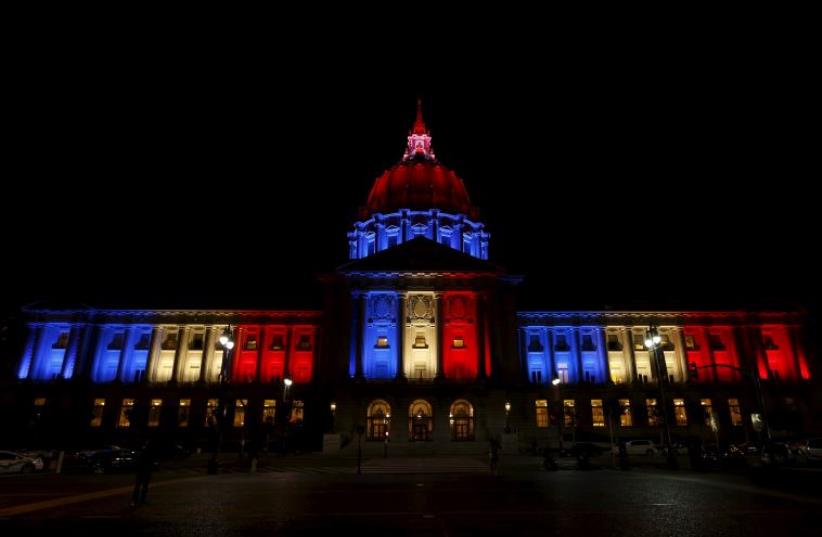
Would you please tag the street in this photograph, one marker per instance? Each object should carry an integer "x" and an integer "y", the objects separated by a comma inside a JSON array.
[{"x": 411, "y": 496}]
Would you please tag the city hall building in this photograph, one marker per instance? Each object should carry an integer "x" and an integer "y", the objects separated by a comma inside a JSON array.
[{"x": 419, "y": 346}]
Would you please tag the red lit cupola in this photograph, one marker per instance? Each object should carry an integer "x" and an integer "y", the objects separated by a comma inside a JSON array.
[{"x": 419, "y": 181}]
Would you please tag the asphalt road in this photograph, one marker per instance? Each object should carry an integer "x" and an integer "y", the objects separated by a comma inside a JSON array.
[{"x": 397, "y": 497}]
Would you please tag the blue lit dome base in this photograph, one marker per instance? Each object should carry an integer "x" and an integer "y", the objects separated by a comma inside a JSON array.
[{"x": 382, "y": 231}]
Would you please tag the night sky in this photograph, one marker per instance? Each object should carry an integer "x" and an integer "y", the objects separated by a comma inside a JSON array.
[{"x": 608, "y": 182}]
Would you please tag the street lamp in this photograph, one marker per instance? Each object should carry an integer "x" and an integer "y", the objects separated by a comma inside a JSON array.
[
  {"x": 287, "y": 382},
  {"x": 555, "y": 382},
  {"x": 333, "y": 407},
  {"x": 507, "y": 411},
  {"x": 227, "y": 342},
  {"x": 652, "y": 343}
]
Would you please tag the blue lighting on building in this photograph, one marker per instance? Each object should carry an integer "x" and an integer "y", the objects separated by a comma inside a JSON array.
[
  {"x": 571, "y": 353},
  {"x": 117, "y": 343},
  {"x": 45, "y": 351},
  {"x": 380, "y": 335}
]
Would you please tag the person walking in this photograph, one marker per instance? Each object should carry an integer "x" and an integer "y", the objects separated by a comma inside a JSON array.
[{"x": 145, "y": 464}]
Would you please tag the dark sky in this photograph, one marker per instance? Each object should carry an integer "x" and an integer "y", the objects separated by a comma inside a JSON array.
[{"x": 145, "y": 179}]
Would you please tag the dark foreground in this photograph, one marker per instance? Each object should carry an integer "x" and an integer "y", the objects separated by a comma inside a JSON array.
[{"x": 416, "y": 497}]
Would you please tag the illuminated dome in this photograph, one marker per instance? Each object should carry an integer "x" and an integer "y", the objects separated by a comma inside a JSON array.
[
  {"x": 419, "y": 183},
  {"x": 418, "y": 197}
]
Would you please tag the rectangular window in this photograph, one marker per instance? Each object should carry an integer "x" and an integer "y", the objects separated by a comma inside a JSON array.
[
  {"x": 561, "y": 343},
  {"x": 40, "y": 402},
  {"x": 617, "y": 374},
  {"x": 536, "y": 377},
  {"x": 639, "y": 342},
  {"x": 97, "y": 412},
  {"x": 197, "y": 341},
  {"x": 269, "y": 407},
  {"x": 597, "y": 413},
  {"x": 251, "y": 343},
  {"x": 459, "y": 342},
  {"x": 211, "y": 412},
  {"x": 690, "y": 343},
  {"x": 297, "y": 412},
  {"x": 117, "y": 342},
  {"x": 277, "y": 343},
  {"x": 562, "y": 373},
  {"x": 239, "y": 412},
  {"x": 305, "y": 343},
  {"x": 154, "y": 412},
  {"x": 588, "y": 343},
  {"x": 569, "y": 413},
  {"x": 124, "y": 419},
  {"x": 614, "y": 343},
  {"x": 144, "y": 342},
  {"x": 419, "y": 342},
  {"x": 736, "y": 412},
  {"x": 62, "y": 341},
  {"x": 382, "y": 342},
  {"x": 184, "y": 412},
  {"x": 625, "y": 419},
  {"x": 680, "y": 414},
  {"x": 708, "y": 411},
  {"x": 653, "y": 414},
  {"x": 542, "y": 413},
  {"x": 716, "y": 342},
  {"x": 534, "y": 344},
  {"x": 170, "y": 342}
]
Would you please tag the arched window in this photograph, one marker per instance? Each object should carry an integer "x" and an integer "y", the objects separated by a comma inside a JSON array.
[
  {"x": 379, "y": 418},
  {"x": 420, "y": 422},
  {"x": 461, "y": 419}
]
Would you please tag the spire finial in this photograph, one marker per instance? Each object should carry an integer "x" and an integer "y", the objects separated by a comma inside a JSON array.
[
  {"x": 419, "y": 141},
  {"x": 419, "y": 123}
]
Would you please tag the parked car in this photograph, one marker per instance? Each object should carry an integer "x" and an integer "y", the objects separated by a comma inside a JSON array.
[
  {"x": 108, "y": 459},
  {"x": 11, "y": 462},
  {"x": 678, "y": 448},
  {"x": 778, "y": 453},
  {"x": 811, "y": 449},
  {"x": 640, "y": 447},
  {"x": 744, "y": 449}
]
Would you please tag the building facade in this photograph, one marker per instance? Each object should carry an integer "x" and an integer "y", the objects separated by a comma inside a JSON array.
[{"x": 419, "y": 346}]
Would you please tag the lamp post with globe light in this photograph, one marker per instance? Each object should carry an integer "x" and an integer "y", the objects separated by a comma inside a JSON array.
[
  {"x": 653, "y": 342},
  {"x": 226, "y": 340}
]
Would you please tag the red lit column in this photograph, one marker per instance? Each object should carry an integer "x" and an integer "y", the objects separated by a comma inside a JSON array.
[
  {"x": 481, "y": 331},
  {"x": 260, "y": 352},
  {"x": 709, "y": 352},
  {"x": 289, "y": 332},
  {"x": 236, "y": 354}
]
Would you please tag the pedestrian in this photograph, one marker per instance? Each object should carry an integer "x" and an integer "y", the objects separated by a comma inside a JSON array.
[
  {"x": 493, "y": 455},
  {"x": 145, "y": 464}
]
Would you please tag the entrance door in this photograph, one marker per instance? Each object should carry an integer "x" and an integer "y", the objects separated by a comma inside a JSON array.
[{"x": 420, "y": 429}]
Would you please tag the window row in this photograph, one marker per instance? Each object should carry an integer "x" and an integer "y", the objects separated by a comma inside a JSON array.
[
  {"x": 623, "y": 409},
  {"x": 127, "y": 412}
]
